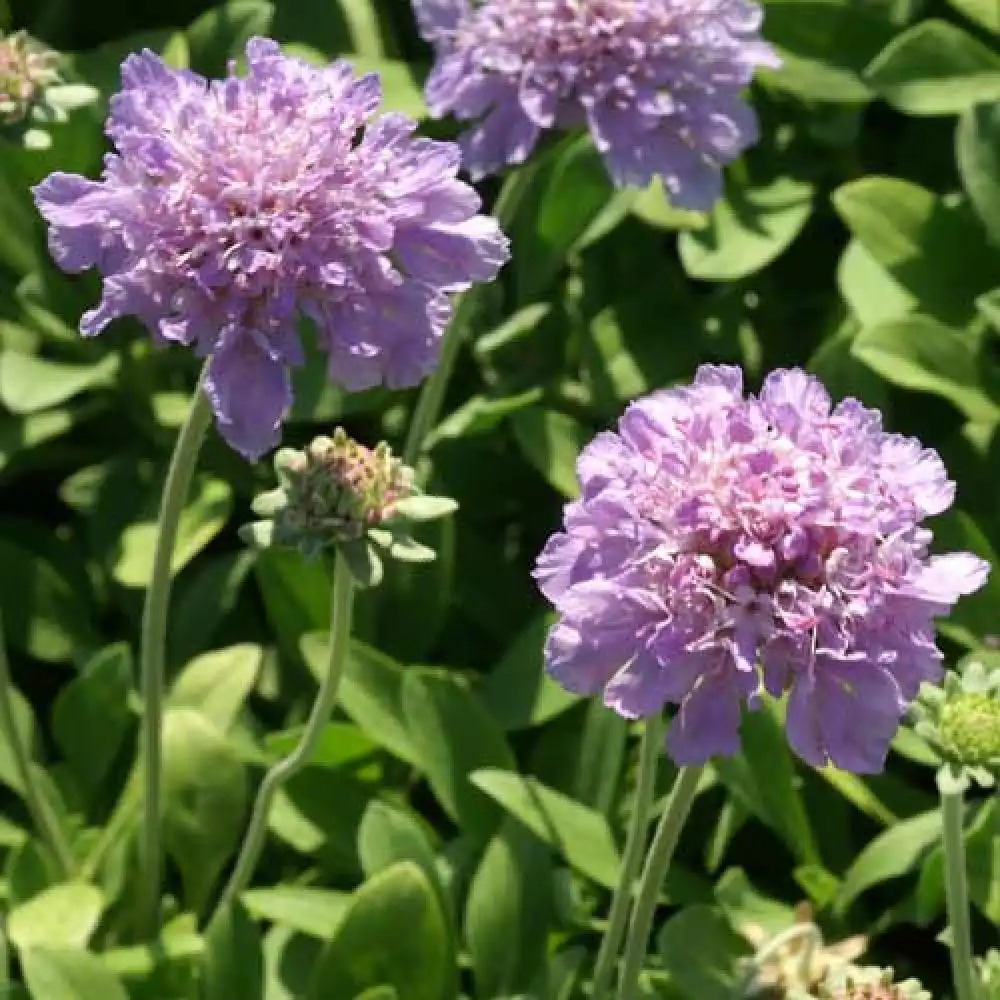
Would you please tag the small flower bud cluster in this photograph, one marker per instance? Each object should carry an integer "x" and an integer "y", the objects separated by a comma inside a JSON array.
[
  {"x": 849, "y": 982},
  {"x": 26, "y": 70},
  {"x": 32, "y": 93},
  {"x": 337, "y": 493},
  {"x": 961, "y": 720}
]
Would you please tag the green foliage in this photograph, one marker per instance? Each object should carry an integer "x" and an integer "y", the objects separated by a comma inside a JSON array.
[{"x": 457, "y": 830}]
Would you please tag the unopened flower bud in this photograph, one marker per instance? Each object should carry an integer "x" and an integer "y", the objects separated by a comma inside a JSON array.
[
  {"x": 850, "y": 982},
  {"x": 961, "y": 720},
  {"x": 337, "y": 493}
]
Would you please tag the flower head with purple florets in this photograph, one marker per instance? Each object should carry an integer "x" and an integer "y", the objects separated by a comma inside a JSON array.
[
  {"x": 232, "y": 207},
  {"x": 657, "y": 82},
  {"x": 724, "y": 546}
]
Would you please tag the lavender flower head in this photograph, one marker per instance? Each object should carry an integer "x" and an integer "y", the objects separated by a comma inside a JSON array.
[
  {"x": 233, "y": 206},
  {"x": 724, "y": 546},
  {"x": 657, "y": 82}
]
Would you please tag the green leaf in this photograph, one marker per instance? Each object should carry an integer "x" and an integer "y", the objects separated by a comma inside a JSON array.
[
  {"x": 393, "y": 934},
  {"x": 893, "y": 853},
  {"x": 217, "y": 684},
  {"x": 233, "y": 960},
  {"x": 653, "y": 206},
  {"x": 221, "y": 33},
  {"x": 315, "y": 912},
  {"x": 747, "y": 229},
  {"x": 919, "y": 354},
  {"x": 745, "y": 906},
  {"x": 45, "y": 614},
  {"x": 824, "y": 46},
  {"x": 402, "y": 84},
  {"x": 581, "y": 835},
  {"x": 597, "y": 766},
  {"x": 977, "y": 152},
  {"x": 17, "y": 221},
  {"x": 935, "y": 68},
  {"x": 29, "y": 384},
  {"x": 551, "y": 442},
  {"x": 204, "y": 798},
  {"x": 389, "y": 834},
  {"x": 64, "y": 916},
  {"x": 169, "y": 966},
  {"x": 339, "y": 743},
  {"x": 975, "y": 615},
  {"x": 454, "y": 735},
  {"x": 984, "y": 12},
  {"x": 296, "y": 595},
  {"x": 371, "y": 693},
  {"x": 766, "y": 751},
  {"x": 870, "y": 290},
  {"x": 203, "y": 518},
  {"x": 21, "y": 434},
  {"x": 24, "y": 722},
  {"x": 936, "y": 250},
  {"x": 508, "y": 911},
  {"x": 51, "y": 974},
  {"x": 480, "y": 414},
  {"x": 701, "y": 952},
  {"x": 319, "y": 812},
  {"x": 205, "y": 597},
  {"x": 91, "y": 715},
  {"x": 558, "y": 196},
  {"x": 517, "y": 691}
]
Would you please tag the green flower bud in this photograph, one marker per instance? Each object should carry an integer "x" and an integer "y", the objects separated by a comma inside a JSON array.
[
  {"x": 961, "y": 721},
  {"x": 337, "y": 493},
  {"x": 32, "y": 93},
  {"x": 970, "y": 728}
]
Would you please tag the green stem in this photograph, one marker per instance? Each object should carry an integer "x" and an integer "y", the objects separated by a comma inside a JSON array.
[
  {"x": 152, "y": 651},
  {"x": 431, "y": 399},
  {"x": 342, "y": 600},
  {"x": 957, "y": 891},
  {"x": 635, "y": 843},
  {"x": 34, "y": 798},
  {"x": 661, "y": 852}
]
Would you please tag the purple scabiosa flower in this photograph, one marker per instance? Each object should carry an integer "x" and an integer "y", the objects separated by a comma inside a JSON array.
[
  {"x": 231, "y": 207},
  {"x": 724, "y": 546},
  {"x": 657, "y": 82}
]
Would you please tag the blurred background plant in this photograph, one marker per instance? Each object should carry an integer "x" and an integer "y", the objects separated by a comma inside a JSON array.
[{"x": 459, "y": 828}]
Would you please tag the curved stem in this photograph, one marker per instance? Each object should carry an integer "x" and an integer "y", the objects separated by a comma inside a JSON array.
[
  {"x": 152, "y": 653},
  {"x": 957, "y": 891},
  {"x": 661, "y": 852},
  {"x": 635, "y": 843},
  {"x": 431, "y": 398},
  {"x": 34, "y": 798},
  {"x": 342, "y": 600}
]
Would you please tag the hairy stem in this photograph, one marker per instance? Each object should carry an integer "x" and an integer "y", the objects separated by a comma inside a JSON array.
[
  {"x": 661, "y": 853},
  {"x": 635, "y": 843},
  {"x": 342, "y": 601},
  {"x": 957, "y": 891},
  {"x": 152, "y": 652}
]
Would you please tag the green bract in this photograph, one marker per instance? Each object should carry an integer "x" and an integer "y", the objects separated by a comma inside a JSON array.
[
  {"x": 961, "y": 720},
  {"x": 337, "y": 493}
]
